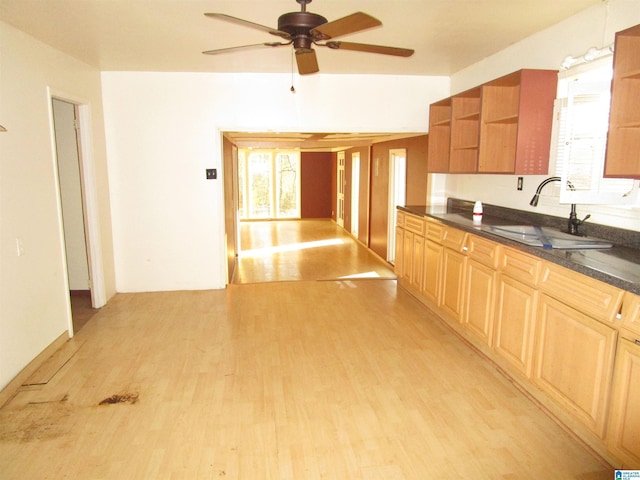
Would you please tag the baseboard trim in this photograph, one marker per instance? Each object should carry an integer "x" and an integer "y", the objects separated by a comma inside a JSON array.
[
  {"x": 80, "y": 293},
  {"x": 8, "y": 392}
]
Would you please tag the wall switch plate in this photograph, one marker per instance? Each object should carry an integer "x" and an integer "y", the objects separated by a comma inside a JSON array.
[
  {"x": 212, "y": 174},
  {"x": 520, "y": 180}
]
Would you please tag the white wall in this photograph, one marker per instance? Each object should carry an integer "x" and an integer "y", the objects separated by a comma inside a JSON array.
[
  {"x": 594, "y": 27},
  {"x": 33, "y": 289},
  {"x": 163, "y": 131}
]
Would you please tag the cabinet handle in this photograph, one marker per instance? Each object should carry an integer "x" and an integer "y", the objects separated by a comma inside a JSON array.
[
  {"x": 636, "y": 341},
  {"x": 465, "y": 249}
]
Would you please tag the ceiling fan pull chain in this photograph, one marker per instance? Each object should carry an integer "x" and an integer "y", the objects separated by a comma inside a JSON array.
[{"x": 293, "y": 89}]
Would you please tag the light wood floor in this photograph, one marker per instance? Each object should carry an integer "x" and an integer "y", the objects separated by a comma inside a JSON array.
[
  {"x": 343, "y": 379},
  {"x": 303, "y": 250}
]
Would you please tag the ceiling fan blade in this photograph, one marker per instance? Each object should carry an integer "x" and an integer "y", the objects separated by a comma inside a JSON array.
[
  {"x": 344, "y": 26},
  {"x": 247, "y": 23},
  {"x": 244, "y": 47},
  {"x": 307, "y": 61},
  {"x": 364, "y": 47}
]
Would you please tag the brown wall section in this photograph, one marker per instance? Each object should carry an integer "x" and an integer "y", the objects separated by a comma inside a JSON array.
[
  {"x": 315, "y": 184},
  {"x": 416, "y": 185}
]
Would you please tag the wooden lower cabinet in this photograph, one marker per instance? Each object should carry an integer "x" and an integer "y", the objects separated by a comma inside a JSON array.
[
  {"x": 479, "y": 300},
  {"x": 574, "y": 361},
  {"x": 431, "y": 271},
  {"x": 554, "y": 330},
  {"x": 452, "y": 283},
  {"x": 624, "y": 423},
  {"x": 407, "y": 256},
  {"x": 398, "y": 266},
  {"x": 417, "y": 262},
  {"x": 514, "y": 323}
]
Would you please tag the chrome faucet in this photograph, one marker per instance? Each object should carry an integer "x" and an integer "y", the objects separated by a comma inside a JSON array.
[{"x": 574, "y": 222}]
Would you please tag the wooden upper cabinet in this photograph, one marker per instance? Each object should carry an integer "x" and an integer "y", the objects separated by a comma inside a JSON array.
[
  {"x": 516, "y": 122},
  {"x": 439, "y": 136},
  {"x": 465, "y": 132},
  {"x": 623, "y": 139},
  {"x": 503, "y": 126}
]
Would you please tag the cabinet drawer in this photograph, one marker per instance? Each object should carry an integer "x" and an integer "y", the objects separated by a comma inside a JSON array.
[
  {"x": 587, "y": 295},
  {"x": 400, "y": 216},
  {"x": 435, "y": 231},
  {"x": 414, "y": 224},
  {"x": 453, "y": 238},
  {"x": 520, "y": 266},
  {"x": 483, "y": 251},
  {"x": 631, "y": 314}
]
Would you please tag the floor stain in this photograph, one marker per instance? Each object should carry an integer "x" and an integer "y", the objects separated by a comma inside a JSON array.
[{"x": 120, "y": 398}]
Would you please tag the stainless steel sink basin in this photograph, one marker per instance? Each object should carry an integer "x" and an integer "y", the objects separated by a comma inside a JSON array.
[{"x": 544, "y": 237}]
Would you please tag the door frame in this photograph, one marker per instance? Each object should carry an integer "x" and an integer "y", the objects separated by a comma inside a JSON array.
[
  {"x": 397, "y": 195},
  {"x": 341, "y": 181},
  {"x": 89, "y": 201}
]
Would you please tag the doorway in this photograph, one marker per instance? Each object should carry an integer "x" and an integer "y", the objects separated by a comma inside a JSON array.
[
  {"x": 397, "y": 195},
  {"x": 72, "y": 206},
  {"x": 355, "y": 193},
  {"x": 341, "y": 179}
]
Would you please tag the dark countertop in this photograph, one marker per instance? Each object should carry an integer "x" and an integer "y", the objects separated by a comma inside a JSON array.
[{"x": 618, "y": 266}]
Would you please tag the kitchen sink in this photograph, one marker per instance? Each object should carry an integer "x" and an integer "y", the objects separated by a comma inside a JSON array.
[{"x": 545, "y": 237}]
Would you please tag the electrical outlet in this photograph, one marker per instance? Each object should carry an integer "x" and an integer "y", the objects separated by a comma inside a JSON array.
[
  {"x": 212, "y": 174},
  {"x": 520, "y": 180}
]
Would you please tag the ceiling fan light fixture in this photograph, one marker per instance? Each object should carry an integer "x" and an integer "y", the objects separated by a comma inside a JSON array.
[{"x": 304, "y": 29}]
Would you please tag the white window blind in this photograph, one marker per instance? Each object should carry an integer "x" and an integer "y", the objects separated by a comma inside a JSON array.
[{"x": 580, "y": 138}]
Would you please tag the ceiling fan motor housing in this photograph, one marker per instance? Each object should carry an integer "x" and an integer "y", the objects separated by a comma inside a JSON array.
[{"x": 299, "y": 25}]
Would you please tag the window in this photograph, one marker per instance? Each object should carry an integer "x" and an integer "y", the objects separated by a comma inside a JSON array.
[
  {"x": 269, "y": 184},
  {"x": 580, "y": 138}
]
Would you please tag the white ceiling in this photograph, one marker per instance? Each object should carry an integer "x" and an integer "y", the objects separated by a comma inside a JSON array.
[{"x": 169, "y": 35}]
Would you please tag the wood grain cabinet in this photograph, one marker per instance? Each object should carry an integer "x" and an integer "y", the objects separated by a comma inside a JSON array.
[
  {"x": 413, "y": 251},
  {"x": 480, "y": 287},
  {"x": 624, "y": 422},
  {"x": 516, "y": 307},
  {"x": 453, "y": 270},
  {"x": 574, "y": 361},
  {"x": 572, "y": 341},
  {"x": 623, "y": 138},
  {"x": 465, "y": 132},
  {"x": 432, "y": 268},
  {"x": 439, "y": 136},
  {"x": 398, "y": 266},
  {"x": 576, "y": 342},
  {"x": 502, "y": 126},
  {"x": 516, "y": 121}
]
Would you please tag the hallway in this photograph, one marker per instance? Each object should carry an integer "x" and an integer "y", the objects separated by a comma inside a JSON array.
[{"x": 294, "y": 250}]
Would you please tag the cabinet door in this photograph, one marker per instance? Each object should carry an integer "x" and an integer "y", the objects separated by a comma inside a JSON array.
[
  {"x": 479, "y": 300},
  {"x": 514, "y": 323},
  {"x": 623, "y": 140},
  {"x": 452, "y": 284},
  {"x": 431, "y": 273},
  {"x": 631, "y": 313},
  {"x": 417, "y": 262},
  {"x": 398, "y": 265},
  {"x": 574, "y": 361},
  {"x": 407, "y": 256},
  {"x": 624, "y": 422}
]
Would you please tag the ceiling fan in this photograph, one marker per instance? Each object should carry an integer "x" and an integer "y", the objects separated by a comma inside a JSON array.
[{"x": 304, "y": 29}]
